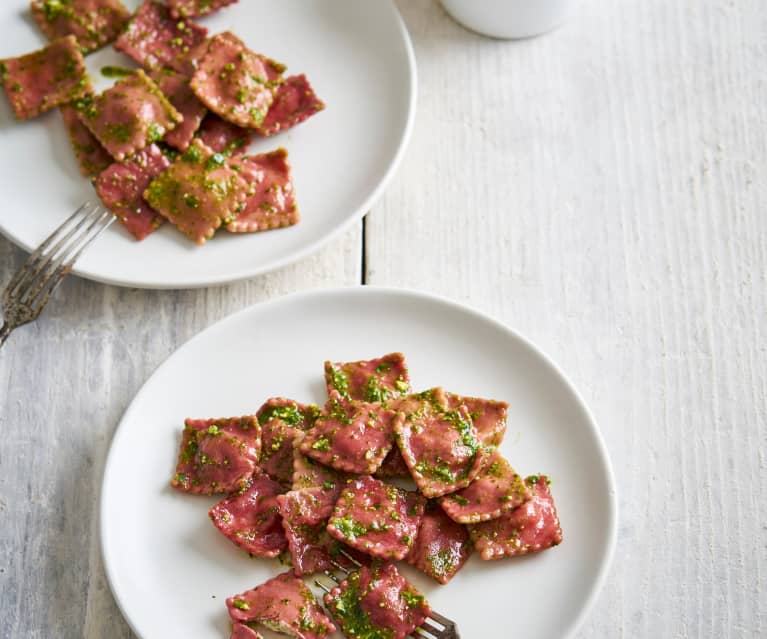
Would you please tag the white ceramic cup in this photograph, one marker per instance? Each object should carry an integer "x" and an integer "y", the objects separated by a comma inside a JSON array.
[{"x": 510, "y": 18}]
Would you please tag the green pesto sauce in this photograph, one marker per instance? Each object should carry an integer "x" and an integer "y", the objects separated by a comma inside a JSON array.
[
  {"x": 54, "y": 9},
  {"x": 288, "y": 414},
  {"x": 374, "y": 392},
  {"x": 192, "y": 155},
  {"x": 155, "y": 132},
  {"x": 214, "y": 161},
  {"x": 461, "y": 501},
  {"x": 323, "y": 444},
  {"x": 436, "y": 471},
  {"x": 354, "y": 621},
  {"x": 348, "y": 527},
  {"x": 383, "y": 367},
  {"x": 412, "y": 599},
  {"x": 241, "y": 604},
  {"x": 115, "y": 72},
  {"x": 401, "y": 385},
  {"x": 339, "y": 380},
  {"x": 443, "y": 562},
  {"x": 120, "y": 132}
]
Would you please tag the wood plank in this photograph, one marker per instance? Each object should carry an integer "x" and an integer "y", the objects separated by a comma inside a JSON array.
[
  {"x": 602, "y": 190},
  {"x": 64, "y": 383}
]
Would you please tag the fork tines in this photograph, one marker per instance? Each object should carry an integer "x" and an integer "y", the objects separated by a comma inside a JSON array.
[
  {"x": 436, "y": 626},
  {"x": 56, "y": 255}
]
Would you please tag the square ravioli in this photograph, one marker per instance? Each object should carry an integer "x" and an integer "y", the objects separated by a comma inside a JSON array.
[
  {"x": 130, "y": 115},
  {"x": 92, "y": 158},
  {"x": 198, "y": 192},
  {"x": 44, "y": 79},
  {"x": 496, "y": 490},
  {"x": 353, "y": 437},
  {"x": 175, "y": 86},
  {"x": 441, "y": 547},
  {"x": 194, "y": 8},
  {"x": 155, "y": 39},
  {"x": 294, "y": 102},
  {"x": 224, "y": 137},
  {"x": 251, "y": 520},
  {"x": 377, "y": 602},
  {"x": 377, "y": 518},
  {"x": 121, "y": 187},
  {"x": 441, "y": 449},
  {"x": 532, "y": 527},
  {"x": 305, "y": 514},
  {"x": 284, "y": 604},
  {"x": 282, "y": 420},
  {"x": 217, "y": 456},
  {"x": 234, "y": 82},
  {"x": 372, "y": 380},
  {"x": 273, "y": 204},
  {"x": 93, "y": 22},
  {"x": 488, "y": 416}
]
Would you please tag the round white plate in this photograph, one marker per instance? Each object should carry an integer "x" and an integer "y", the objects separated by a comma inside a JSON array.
[
  {"x": 359, "y": 59},
  {"x": 170, "y": 569}
]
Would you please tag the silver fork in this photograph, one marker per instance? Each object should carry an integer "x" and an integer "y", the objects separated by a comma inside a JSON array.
[
  {"x": 435, "y": 627},
  {"x": 28, "y": 291}
]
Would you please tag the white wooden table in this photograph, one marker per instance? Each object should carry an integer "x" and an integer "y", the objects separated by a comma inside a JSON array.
[{"x": 603, "y": 190}]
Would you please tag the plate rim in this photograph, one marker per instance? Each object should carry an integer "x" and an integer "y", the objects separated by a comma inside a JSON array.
[
  {"x": 316, "y": 244},
  {"x": 407, "y": 293}
]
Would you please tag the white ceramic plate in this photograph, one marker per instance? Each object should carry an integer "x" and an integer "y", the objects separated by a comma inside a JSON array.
[
  {"x": 169, "y": 568},
  {"x": 359, "y": 59}
]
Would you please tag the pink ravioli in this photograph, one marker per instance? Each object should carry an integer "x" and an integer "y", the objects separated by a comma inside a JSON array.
[
  {"x": 284, "y": 604},
  {"x": 532, "y": 527},
  {"x": 198, "y": 192},
  {"x": 354, "y": 437},
  {"x": 304, "y": 516},
  {"x": 488, "y": 416},
  {"x": 251, "y": 519},
  {"x": 175, "y": 86},
  {"x": 121, "y": 187},
  {"x": 273, "y": 204},
  {"x": 241, "y": 631},
  {"x": 372, "y": 380},
  {"x": 93, "y": 22},
  {"x": 441, "y": 449},
  {"x": 194, "y": 8},
  {"x": 234, "y": 82},
  {"x": 495, "y": 491},
  {"x": 155, "y": 40},
  {"x": 92, "y": 158},
  {"x": 281, "y": 421},
  {"x": 416, "y": 403},
  {"x": 441, "y": 547},
  {"x": 294, "y": 102},
  {"x": 44, "y": 79},
  {"x": 215, "y": 459},
  {"x": 377, "y": 602},
  {"x": 377, "y": 518},
  {"x": 130, "y": 115},
  {"x": 224, "y": 137}
]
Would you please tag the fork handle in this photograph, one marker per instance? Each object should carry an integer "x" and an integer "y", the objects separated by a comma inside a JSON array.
[{"x": 5, "y": 331}]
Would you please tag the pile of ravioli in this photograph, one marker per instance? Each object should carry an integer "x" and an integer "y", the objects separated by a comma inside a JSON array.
[
  {"x": 316, "y": 484},
  {"x": 168, "y": 141}
]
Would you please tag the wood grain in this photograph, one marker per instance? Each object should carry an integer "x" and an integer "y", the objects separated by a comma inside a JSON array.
[
  {"x": 602, "y": 189},
  {"x": 65, "y": 381}
]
